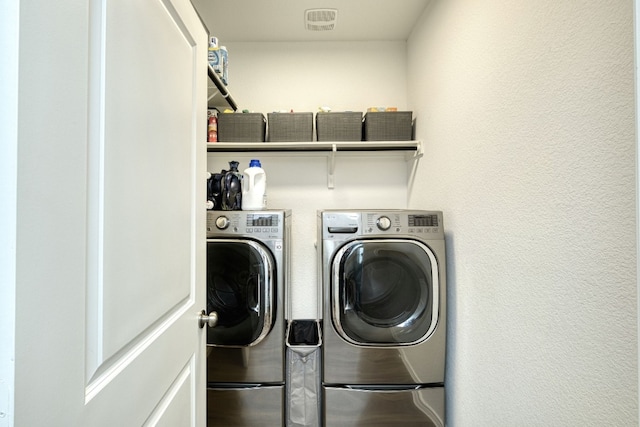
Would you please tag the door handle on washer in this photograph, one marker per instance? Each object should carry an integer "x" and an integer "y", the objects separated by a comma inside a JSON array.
[{"x": 210, "y": 320}]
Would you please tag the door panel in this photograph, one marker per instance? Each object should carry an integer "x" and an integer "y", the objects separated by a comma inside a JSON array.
[
  {"x": 173, "y": 408},
  {"x": 146, "y": 154},
  {"x": 112, "y": 233}
]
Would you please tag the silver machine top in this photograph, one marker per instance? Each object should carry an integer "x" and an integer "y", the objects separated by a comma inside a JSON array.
[
  {"x": 262, "y": 225},
  {"x": 393, "y": 223}
]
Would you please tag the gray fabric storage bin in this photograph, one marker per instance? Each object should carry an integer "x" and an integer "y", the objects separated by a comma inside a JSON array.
[
  {"x": 388, "y": 126},
  {"x": 241, "y": 127},
  {"x": 290, "y": 127},
  {"x": 339, "y": 126},
  {"x": 304, "y": 364}
]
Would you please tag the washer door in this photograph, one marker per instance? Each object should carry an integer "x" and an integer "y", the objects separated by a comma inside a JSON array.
[
  {"x": 240, "y": 288},
  {"x": 384, "y": 292}
]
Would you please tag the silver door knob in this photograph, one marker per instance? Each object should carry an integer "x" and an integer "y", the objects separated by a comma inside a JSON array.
[{"x": 210, "y": 320}]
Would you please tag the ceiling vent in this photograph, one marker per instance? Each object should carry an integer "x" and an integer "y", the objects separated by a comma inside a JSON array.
[{"x": 320, "y": 19}]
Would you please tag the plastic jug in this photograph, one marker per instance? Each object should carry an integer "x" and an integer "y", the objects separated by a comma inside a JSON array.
[{"x": 254, "y": 187}]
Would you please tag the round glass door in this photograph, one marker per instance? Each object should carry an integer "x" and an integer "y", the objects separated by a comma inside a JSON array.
[
  {"x": 240, "y": 288},
  {"x": 385, "y": 292}
]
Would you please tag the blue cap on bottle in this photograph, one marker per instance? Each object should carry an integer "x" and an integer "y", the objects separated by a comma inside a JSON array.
[{"x": 255, "y": 163}]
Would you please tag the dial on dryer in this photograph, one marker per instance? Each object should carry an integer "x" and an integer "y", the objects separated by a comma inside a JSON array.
[{"x": 383, "y": 223}]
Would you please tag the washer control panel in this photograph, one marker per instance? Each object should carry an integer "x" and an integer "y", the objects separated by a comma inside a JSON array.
[
  {"x": 247, "y": 223},
  {"x": 340, "y": 224}
]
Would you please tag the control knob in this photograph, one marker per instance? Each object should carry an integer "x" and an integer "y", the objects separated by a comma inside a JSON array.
[
  {"x": 222, "y": 222},
  {"x": 383, "y": 223}
]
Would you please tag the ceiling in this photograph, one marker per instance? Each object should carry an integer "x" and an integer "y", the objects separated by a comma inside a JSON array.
[{"x": 284, "y": 20}]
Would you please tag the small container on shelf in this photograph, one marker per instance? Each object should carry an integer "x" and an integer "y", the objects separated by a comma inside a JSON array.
[
  {"x": 339, "y": 126},
  {"x": 290, "y": 127},
  {"x": 212, "y": 125},
  {"x": 241, "y": 127},
  {"x": 214, "y": 55}
]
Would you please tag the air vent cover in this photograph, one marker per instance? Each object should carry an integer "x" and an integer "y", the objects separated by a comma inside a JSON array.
[{"x": 320, "y": 19}]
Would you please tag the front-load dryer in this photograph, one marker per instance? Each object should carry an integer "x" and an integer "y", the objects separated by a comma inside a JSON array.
[
  {"x": 384, "y": 317},
  {"x": 247, "y": 273}
]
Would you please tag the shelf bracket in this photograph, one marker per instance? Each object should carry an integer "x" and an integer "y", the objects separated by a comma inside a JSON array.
[
  {"x": 417, "y": 154},
  {"x": 331, "y": 163},
  {"x": 414, "y": 158}
]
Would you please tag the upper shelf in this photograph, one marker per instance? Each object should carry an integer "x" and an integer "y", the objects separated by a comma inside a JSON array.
[
  {"x": 316, "y": 146},
  {"x": 218, "y": 96}
]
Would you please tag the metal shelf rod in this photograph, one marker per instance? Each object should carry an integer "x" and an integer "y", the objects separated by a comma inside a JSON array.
[{"x": 222, "y": 88}]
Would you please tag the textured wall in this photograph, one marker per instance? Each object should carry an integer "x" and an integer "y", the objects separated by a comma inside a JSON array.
[{"x": 527, "y": 113}]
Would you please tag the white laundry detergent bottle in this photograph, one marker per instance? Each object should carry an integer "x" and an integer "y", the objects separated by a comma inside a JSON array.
[{"x": 254, "y": 187}]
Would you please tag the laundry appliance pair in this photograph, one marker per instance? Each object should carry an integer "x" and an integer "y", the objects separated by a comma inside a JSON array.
[{"x": 383, "y": 298}]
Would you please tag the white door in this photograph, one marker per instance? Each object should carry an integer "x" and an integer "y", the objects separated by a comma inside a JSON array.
[{"x": 110, "y": 233}]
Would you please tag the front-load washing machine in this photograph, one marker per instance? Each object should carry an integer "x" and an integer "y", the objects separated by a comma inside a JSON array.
[
  {"x": 247, "y": 273},
  {"x": 384, "y": 317}
]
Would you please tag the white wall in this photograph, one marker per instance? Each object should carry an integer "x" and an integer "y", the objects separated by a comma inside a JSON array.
[
  {"x": 527, "y": 111},
  {"x": 266, "y": 77}
]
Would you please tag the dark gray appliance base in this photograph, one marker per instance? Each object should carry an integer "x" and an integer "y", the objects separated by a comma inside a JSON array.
[
  {"x": 369, "y": 407},
  {"x": 245, "y": 406}
]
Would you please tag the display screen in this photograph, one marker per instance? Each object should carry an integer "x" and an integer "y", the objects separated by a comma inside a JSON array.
[
  {"x": 423, "y": 220},
  {"x": 264, "y": 220}
]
